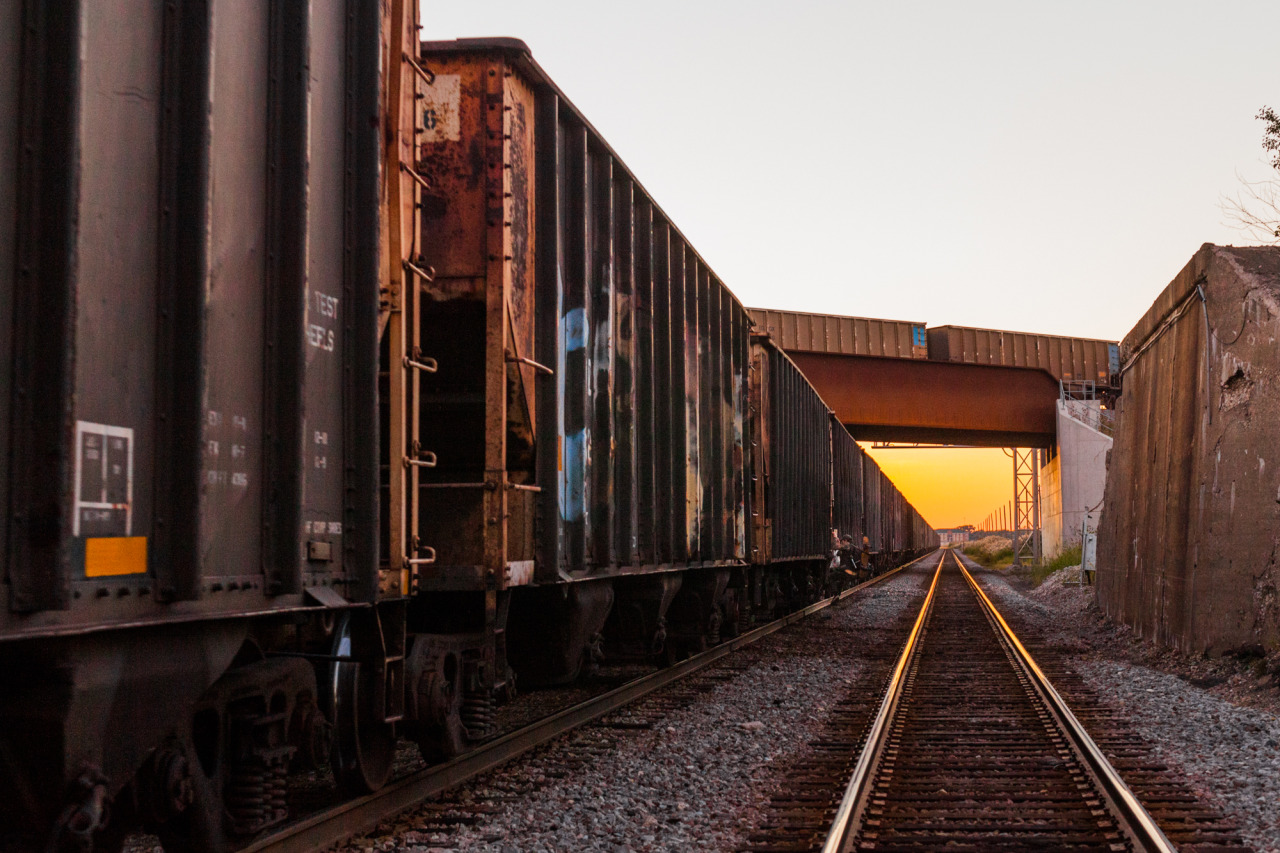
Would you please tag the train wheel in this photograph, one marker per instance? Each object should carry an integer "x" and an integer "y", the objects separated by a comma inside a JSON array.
[
  {"x": 441, "y": 734},
  {"x": 364, "y": 747}
]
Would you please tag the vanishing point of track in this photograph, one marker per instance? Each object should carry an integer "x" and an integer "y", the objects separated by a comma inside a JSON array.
[
  {"x": 973, "y": 748},
  {"x": 338, "y": 823}
]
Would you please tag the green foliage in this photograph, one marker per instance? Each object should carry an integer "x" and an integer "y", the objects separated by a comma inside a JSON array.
[
  {"x": 1069, "y": 557},
  {"x": 1036, "y": 574},
  {"x": 1271, "y": 138},
  {"x": 990, "y": 560}
]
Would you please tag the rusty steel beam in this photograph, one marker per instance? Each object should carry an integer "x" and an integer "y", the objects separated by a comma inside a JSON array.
[{"x": 913, "y": 400}]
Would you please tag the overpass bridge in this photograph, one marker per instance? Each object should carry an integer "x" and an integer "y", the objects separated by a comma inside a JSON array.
[
  {"x": 898, "y": 381},
  {"x": 890, "y": 380}
]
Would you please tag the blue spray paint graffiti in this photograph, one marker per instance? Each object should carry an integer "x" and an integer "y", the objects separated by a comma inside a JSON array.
[
  {"x": 574, "y": 330},
  {"x": 572, "y": 479}
]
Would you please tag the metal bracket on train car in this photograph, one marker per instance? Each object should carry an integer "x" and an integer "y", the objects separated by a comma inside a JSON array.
[
  {"x": 425, "y": 73},
  {"x": 419, "y": 548},
  {"x": 391, "y": 620},
  {"x": 421, "y": 458},
  {"x": 327, "y": 596},
  {"x": 417, "y": 363},
  {"x": 540, "y": 368},
  {"x": 418, "y": 179},
  {"x": 425, "y": 272}
]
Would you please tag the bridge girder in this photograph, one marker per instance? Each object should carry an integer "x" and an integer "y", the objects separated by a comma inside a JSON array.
[{"x": 915, "y": 400}]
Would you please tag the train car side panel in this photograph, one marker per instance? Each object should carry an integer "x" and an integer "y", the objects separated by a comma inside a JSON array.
[
  {"x": 640, "y": 416},
  {"x": 872, "y": 502},
  {"x": 798, "y": 476},
  {"x": 10, "y": 97},
  {"x": 847, "y": 491},
  {"x": 171, "y": 489}
]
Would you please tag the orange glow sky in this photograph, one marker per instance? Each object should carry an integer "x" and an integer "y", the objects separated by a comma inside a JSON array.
[{"x": 950, "y": 487}]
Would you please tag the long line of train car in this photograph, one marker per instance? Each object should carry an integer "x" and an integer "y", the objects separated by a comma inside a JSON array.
[{"x": 351, "y": 383}]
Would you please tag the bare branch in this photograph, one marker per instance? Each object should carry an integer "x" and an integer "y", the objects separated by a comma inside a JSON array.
[{"x": 1254, "y": 209}]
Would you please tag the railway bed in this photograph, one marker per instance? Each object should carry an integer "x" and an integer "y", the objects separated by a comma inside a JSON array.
[
  {"x": 969, "y": 749},
  {"x": 584, "y": 727}
]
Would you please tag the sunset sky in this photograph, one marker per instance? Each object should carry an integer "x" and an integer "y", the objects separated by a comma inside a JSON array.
[
  {"x": 953, "y": 486},
  {"x": 1042, "y": 167}
]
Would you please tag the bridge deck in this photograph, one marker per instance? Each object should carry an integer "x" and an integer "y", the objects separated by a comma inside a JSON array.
[{"x": 914, "y": 400}]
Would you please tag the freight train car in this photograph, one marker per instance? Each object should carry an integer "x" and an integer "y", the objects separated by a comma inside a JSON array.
[
  {"x": 848, "y": 507},
  {"x": 872, "y": 496},
  {"x": 793, "y": 472},
  {"x": 587, "y": 419},
  {"x": 352, "y": 385},
  {"x": 1067, "y": 359},
  {"x": 197, "y": 195}
]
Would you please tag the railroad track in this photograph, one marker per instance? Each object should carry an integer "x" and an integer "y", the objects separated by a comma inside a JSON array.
[
  {"x": 338, "y": 823},
  {"x": 973, "y": 748}
]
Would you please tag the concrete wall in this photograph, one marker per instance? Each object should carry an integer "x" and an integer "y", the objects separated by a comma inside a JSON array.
[
  {"x": 1073, "y": 481},
  {"x": 1188, "y": 541},
  {"x": 1051, "y": 507}
]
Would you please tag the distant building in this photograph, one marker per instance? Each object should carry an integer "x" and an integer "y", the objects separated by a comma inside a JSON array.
[{"x": 952, "y": 535}]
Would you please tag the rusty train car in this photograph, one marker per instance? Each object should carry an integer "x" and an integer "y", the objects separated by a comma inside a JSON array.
[{"x": 352, "y": 383}]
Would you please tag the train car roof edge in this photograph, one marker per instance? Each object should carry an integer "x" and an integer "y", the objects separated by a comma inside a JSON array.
[{"x": 522, "y": 55}]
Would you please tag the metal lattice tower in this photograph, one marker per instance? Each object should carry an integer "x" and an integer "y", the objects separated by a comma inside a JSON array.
[{"x": 1026, "y": 505}]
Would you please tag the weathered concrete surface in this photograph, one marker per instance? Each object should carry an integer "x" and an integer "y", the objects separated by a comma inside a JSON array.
[
  {"x": 1071, "y": 484},
  {"x": 1188, "y": 536}
]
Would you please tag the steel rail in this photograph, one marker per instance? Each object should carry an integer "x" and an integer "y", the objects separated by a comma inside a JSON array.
[
  {"x": 341, "y": 822},
  {"x": 1136, "y": 822},
  {"x": 852, "y": 805}
]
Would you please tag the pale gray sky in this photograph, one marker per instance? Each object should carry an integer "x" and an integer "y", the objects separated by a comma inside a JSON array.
[{"x": 1037, "y": 166}]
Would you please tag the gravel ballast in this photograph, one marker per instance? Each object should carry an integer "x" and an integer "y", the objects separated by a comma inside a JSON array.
[
  {"x": 698, "y": 779},
  {"x": 1223, "y": 737}
]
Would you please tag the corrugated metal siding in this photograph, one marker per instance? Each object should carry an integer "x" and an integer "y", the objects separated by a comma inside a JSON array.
[
  {"x": 639, "y": 436},
  {"x": 10, "y": 100},
  {"x": 872, "y": 503},
  {"x": 796, "y": 330},
  {"x": 199, "y": 357},
  {"x": 906, "y": 527},
  {"x": 1065, "y": 358},
  {"x": 847, "y": 499},
  {"x": 798, "y": 484},
  {"x": 683, "y": 364},
  {"x": 888, "y": 513}
]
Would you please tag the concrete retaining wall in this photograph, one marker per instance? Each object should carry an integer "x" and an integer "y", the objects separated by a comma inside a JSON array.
[
  {"x": 1072, "y": 483},
  {"x": 1188, "y": 537}
]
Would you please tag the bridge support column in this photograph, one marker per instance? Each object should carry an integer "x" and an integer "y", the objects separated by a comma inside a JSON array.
[{"x": 1026, "y": 505}]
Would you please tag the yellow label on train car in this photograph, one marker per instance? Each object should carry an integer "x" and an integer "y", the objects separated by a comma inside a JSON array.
[{"x": 115, "y": 555}]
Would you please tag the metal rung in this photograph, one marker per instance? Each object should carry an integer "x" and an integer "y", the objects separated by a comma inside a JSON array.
[
  {"x": 541, "y": 368},
  {"x": 426, "y": 75},
  {"x": 426, "y": 365},
  {"x": 428, "y": 274},
  {"x": 421, "y": 561},
  {"x": 521, "y": 487},
  {"x": 425, "y": 459},
  {"x": 421, "y": 181}
]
